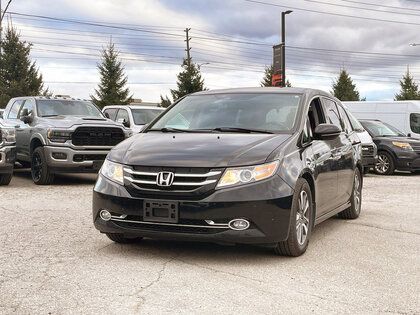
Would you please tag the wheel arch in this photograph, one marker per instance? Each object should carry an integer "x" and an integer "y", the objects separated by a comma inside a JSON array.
[
  {"x": 35, "y": 143},
  {"x": 307, "y": 175}
]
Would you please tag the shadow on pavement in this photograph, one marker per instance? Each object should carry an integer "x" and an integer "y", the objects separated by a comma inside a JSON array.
[{"x": 60, "y": 179}]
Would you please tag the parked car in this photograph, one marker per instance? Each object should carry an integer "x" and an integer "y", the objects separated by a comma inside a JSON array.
[
  {"x": 7, "y": 152},
  {"x": 257, "y": 165},
  {"x": 369, "y": 149},
  {"x": 132, "y": 116},
  {"x": 61, "y": 135},
  {"x": 403, "y": 115},
  {"x": 396, "y": 151}
]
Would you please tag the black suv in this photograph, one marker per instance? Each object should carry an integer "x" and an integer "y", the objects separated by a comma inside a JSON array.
[
  {"x": 7, "y": 152},
  {"x": 257, "y": 165},
  {"x": 61, "y": 135},
  {"x": 396, "y": 151}
]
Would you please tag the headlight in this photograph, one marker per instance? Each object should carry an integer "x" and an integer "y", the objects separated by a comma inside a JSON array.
[
  {"x": 403, "y": 145},
  {"x": 59, "y": 135},
  {"x": 8, "y": 135},
  {"x": 113, "y": 171},
  {"x": 249, "y": 174}
]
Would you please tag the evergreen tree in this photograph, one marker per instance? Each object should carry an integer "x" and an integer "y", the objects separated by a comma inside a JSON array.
[
  {"x": 344, "y": 89},
  {"x": 164, "y": 101},
  {"x": 189, "y": 81},
  {"x": 268, "y": 75},
  {"x": 409, "y": 89},
  {"x": 18, "y": 74},
  {"x": 111, "y": 90}
]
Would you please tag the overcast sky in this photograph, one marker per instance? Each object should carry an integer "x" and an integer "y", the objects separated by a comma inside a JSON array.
[{"x": 232, "y": 39}]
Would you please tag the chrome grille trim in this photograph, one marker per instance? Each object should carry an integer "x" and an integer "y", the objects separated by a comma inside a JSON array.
[
  {"x": 220, "y": 226},
  {"x": 148, "y": 182},
  {"x": 212, "y": 173}
]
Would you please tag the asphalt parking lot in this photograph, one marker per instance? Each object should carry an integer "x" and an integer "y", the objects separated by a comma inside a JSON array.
[{"x": 53, "y": 261}]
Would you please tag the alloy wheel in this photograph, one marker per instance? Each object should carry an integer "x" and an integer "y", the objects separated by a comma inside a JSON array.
[
  {"x": 36, "y": 166},
  {"x": 302, "y": 218},
  {"x": 382, "y": 165}
]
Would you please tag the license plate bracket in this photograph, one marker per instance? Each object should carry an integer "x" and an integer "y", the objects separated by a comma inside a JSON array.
[{"x": 160, "y": 211}]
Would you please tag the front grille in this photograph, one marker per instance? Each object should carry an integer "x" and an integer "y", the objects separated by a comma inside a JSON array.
[
  {"x": 188, "y": 183},
  {"x": 416, "y": 147},
  {"x": 97, "y": 136},
  {"x": 88, "y": 157},
  {"x": 368, "y": 151}
]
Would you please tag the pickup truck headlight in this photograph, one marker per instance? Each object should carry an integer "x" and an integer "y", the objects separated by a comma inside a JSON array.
[
  {"x": 59, "y": 135},
  {"x": 8, "y": 135},
  {"x": 113, "y": 171},
  {"x": 403, "y": 145},
  {"x": 249, "y": 174}
]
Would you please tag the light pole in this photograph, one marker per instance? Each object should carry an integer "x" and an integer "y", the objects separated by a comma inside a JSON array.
[
  {"x": 202, "y": 64},
  {"x": 414, "y": 44},
  {"x": 283, "y": 47}
]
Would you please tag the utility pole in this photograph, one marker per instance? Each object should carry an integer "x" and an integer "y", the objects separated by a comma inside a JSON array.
[
  {"x": 283, "y": 47},
  {"x": 1, "y": 20},
  {"x": 187, "y": 40}
]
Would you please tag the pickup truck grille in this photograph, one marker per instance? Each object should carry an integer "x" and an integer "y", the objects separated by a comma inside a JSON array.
[
  {"x": 188, "y": 183},
  {"x": 368, "y": 151},
  {"x": 97, "y": 136}
]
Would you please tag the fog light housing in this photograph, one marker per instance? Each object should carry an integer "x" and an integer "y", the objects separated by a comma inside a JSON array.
[
  {"x": 59, "y": 155},
  {"x": 105, "y": 215},
  {"x": 239, "y": 224}
]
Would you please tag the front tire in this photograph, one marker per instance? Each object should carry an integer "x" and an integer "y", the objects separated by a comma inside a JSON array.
[
  {"x": 355, "y": 199},
  {"x": 39, "y": 168},
  {"x": 119, "y": 238},
  {"x": 5, "y": 179},
  {"x": 385, "y": 164},
  {"x": 300, "y": 224}
]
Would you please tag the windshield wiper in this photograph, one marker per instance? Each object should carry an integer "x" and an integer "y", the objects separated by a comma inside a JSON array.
[
  {"x": 49, "y": 115},
  {"x": 170, "y": 129},
  {"x": 243, "y": 130}
]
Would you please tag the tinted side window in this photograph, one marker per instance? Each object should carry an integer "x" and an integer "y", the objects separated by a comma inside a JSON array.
[
  {"x": 112, "y": 112},
  {"x": 415, "y": 123},
  {"x": 344, "y": 119},
  {"x": 332, "y": 113},
  {"x": 14, "y": 111},
  {"x": 29, "y": 105}
]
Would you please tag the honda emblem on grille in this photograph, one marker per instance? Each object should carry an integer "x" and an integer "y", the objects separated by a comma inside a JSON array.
[{"x": 165, "y": 179}]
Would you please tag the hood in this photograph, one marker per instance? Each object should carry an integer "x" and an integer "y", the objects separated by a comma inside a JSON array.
[
  {"x": 70, "y": 121},
  {"x": 196, "y": 149}
]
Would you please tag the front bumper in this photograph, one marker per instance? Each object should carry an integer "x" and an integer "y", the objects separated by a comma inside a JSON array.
[
  {"x": 369, "y": 162},
  {"x": 408, "y": 161},
  {"x": 265, "y": 205},
  {"x": 7, "y": 159},
  {"x": 70, "y": 162}
]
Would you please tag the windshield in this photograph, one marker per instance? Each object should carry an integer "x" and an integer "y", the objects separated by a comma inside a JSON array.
[
  {"x": 144, "y": 116},
  {"x": 268, "y": 112},
  {"x": 354, "y": 122},
  {"x": 67, "y": 107},
  {"x": 380, "y": 129}
]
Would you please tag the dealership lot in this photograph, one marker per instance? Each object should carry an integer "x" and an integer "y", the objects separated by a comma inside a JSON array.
[{"x": 54, "y": 261}]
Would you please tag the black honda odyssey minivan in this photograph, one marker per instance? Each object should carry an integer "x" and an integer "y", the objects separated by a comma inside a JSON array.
[{"x": 256, "y": 166}]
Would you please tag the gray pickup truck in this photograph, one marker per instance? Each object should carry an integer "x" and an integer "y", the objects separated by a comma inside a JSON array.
[
  {"x": 61, "y": 135},
  {"x": 7, "y": 152}
]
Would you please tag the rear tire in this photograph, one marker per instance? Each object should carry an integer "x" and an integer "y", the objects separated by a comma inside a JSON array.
[
  {"x": 39, "y": 168},
  {"x": 353, "y": 211},
  {"x": 385, "y": 164},
  {"x": 5, "y": 179},
  {"x": 300, "y": 224},
  {"x": 119, "y": 238}
]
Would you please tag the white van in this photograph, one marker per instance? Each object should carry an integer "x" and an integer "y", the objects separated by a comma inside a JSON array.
[{"x": 403, "y": 115}]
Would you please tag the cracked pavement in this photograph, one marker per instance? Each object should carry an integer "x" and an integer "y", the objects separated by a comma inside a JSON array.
[{"x": 53, "y": 261}]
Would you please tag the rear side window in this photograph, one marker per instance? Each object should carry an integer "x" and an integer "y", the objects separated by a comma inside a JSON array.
[
  {"x": 112, "y": 112},
  {"x": 14, "y": 111},
  {"x": 415, "y": 123},
  {"x": 332, "y": 112}
]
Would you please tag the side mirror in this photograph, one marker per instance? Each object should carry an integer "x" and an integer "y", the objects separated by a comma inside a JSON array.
[
  {"x": 106, "y": 115},
  {"x": 1, "y": 115},
  {"x": 124, "y": 122},
  {"x": 409, "y": 135},
  {"x": 25, "y": 116},
  {"x": 327, "y": 131}
]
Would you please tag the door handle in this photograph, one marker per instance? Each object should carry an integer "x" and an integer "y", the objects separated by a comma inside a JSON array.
[{"x": 356, "y": 142}]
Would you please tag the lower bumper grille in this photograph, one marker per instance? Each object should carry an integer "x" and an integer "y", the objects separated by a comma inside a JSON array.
[{"x": 88, "y": 157}]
